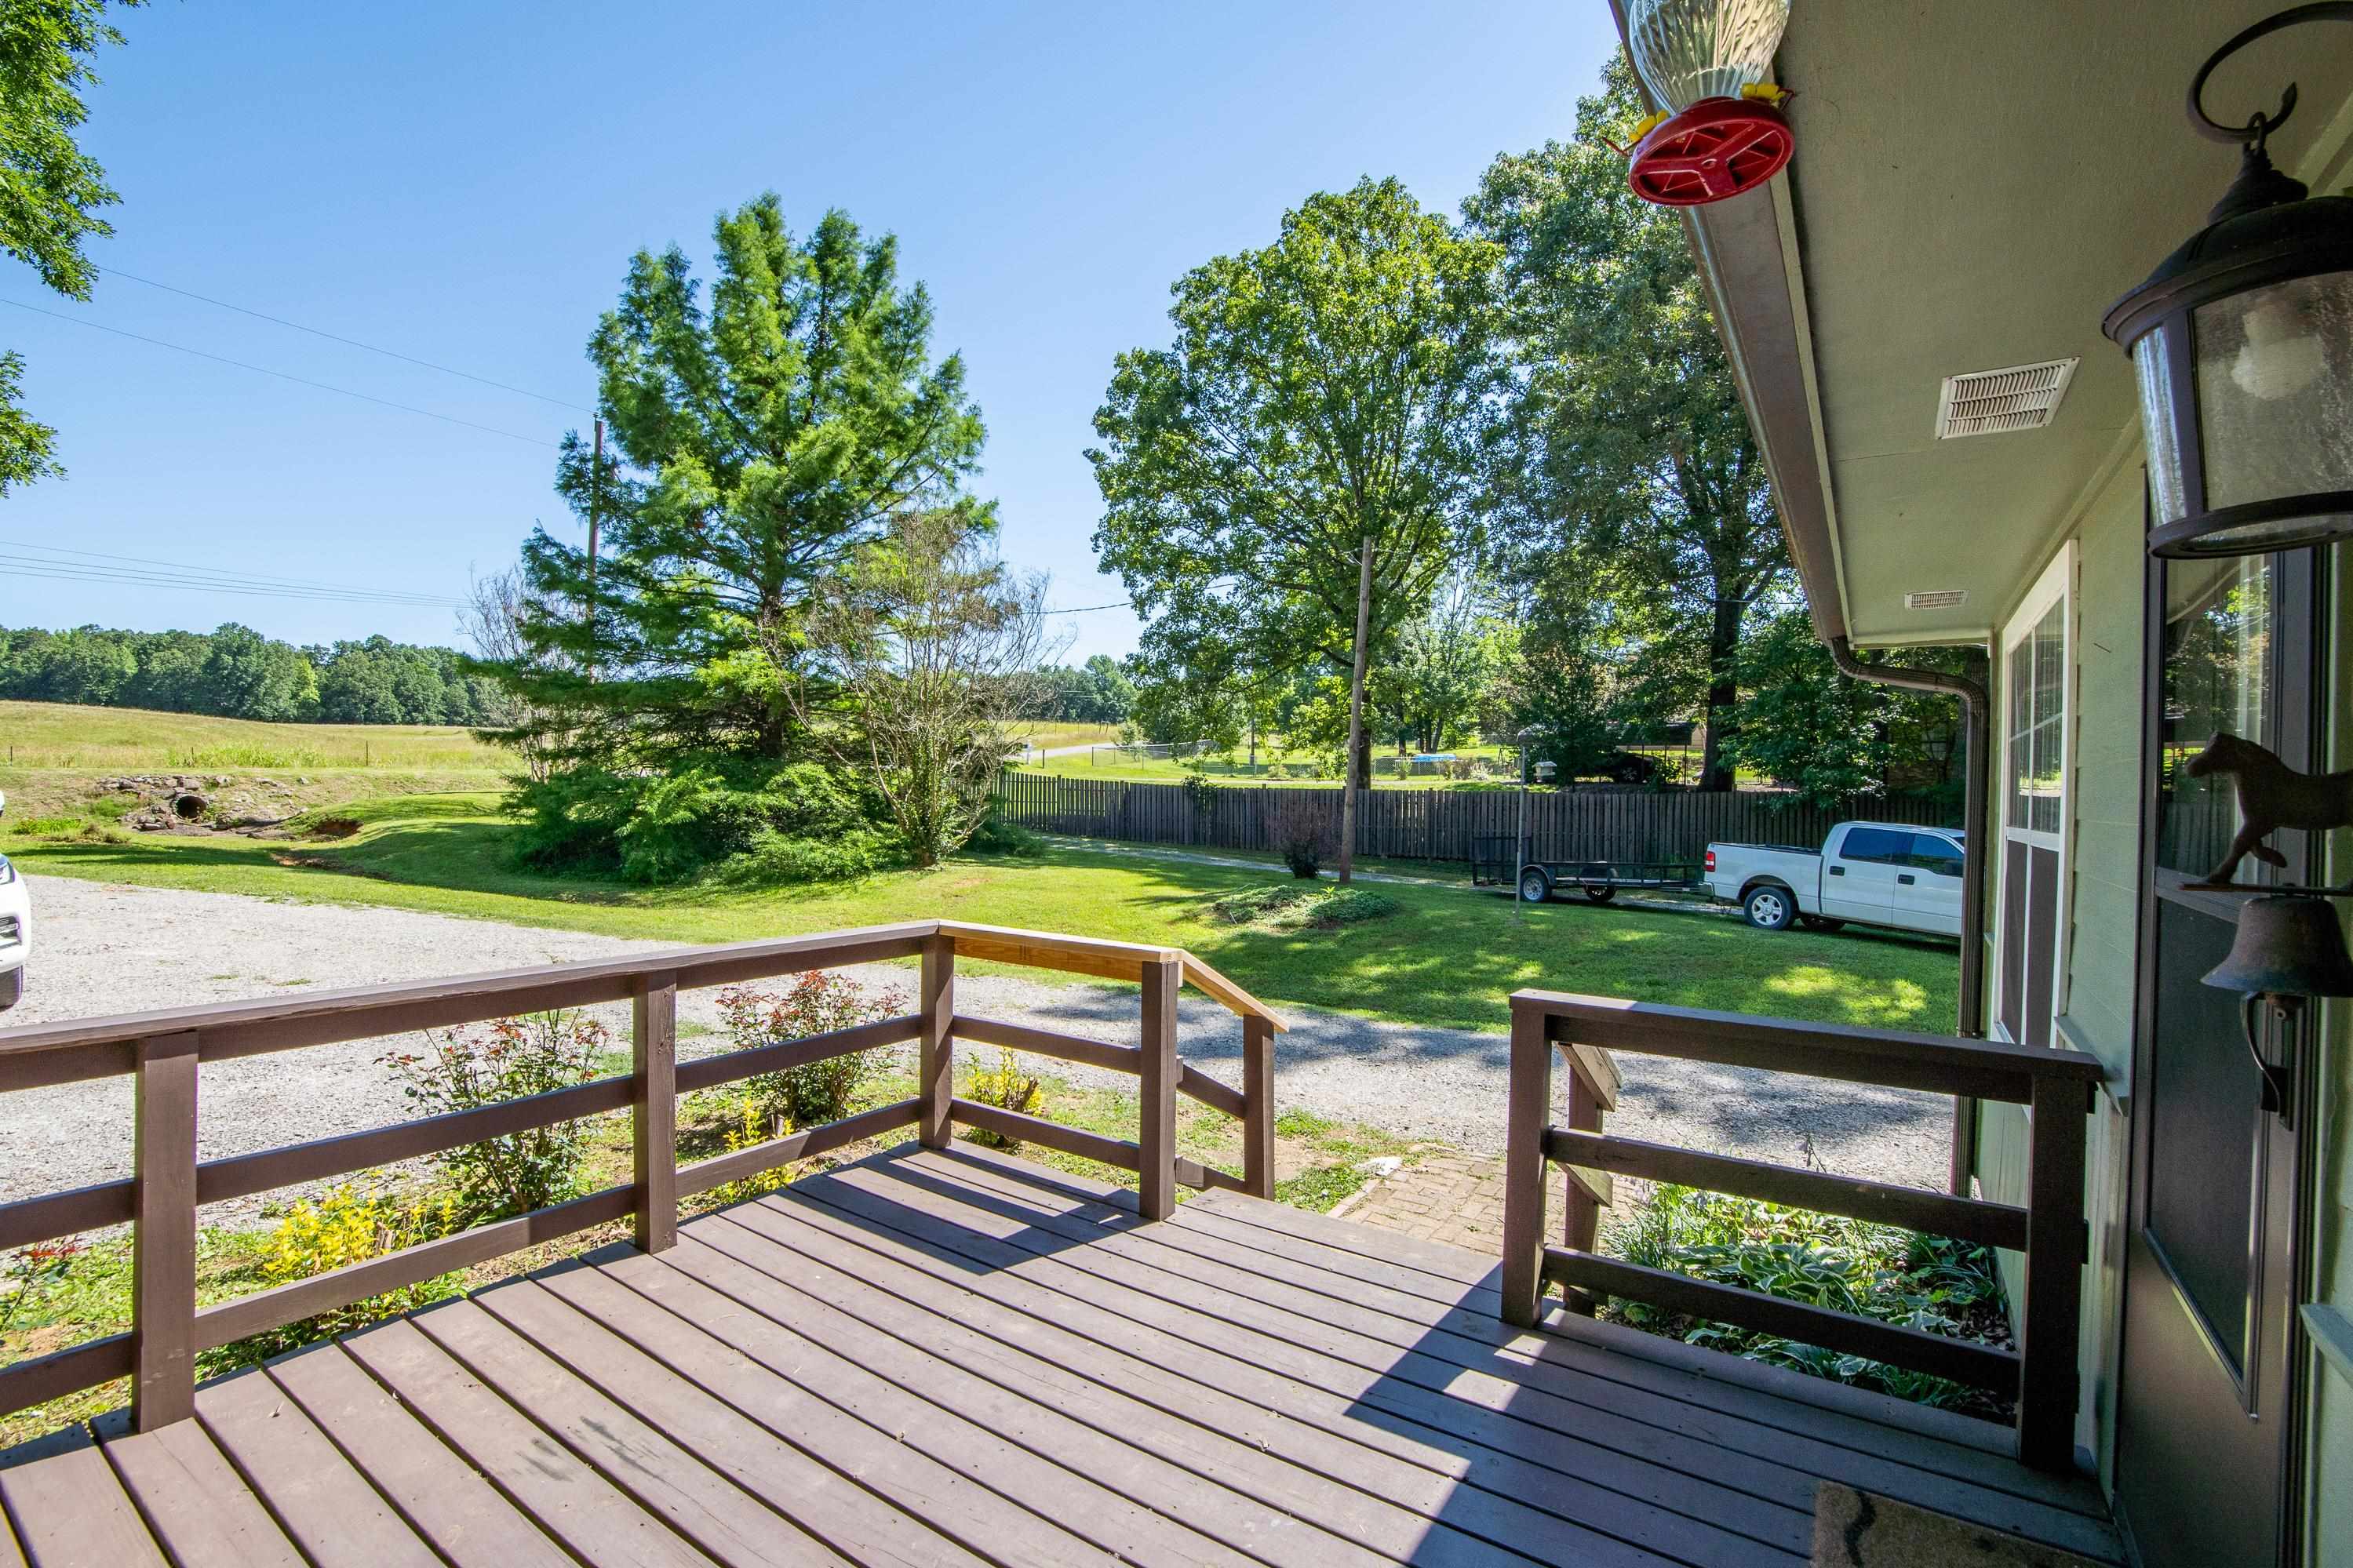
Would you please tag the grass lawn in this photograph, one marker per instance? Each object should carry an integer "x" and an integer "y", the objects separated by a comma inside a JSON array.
[
  {"x": 66, "y": 735},
  {"x": 1446, "y": 957}
]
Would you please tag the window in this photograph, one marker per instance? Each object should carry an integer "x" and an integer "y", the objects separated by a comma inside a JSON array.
[
  {"x": 1877, "y": 844},
  {"x": 1941, "y": 856},
  {"x": 2037, "y": 678}
]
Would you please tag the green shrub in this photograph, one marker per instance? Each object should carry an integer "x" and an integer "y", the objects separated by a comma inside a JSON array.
[
  {"x": 996, "y": 834},
  {"x": 701, "y": 813},
  {"x": 1004, "y": 1086},
  {"x": 817, "y": 1003},
  {"x": 1878, "y": 1271},
  {"x": 507, "y": 1060}
]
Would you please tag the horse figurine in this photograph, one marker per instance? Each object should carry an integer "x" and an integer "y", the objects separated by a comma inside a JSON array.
[{"x": 2271, "y": 795}]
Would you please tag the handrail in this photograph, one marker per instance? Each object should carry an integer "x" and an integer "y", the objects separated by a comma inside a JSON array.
[
  {"x": 2049, "y": 1230},
  {"x": 166, "y": 1048}
]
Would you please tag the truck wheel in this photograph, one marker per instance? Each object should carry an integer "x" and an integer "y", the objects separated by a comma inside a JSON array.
[
  {"x": 1822, "y": 923},
  {"x": 12, "y": 988},
  {"x": 1770, "y": 908},
  {"x": 1535, "y": 886}
]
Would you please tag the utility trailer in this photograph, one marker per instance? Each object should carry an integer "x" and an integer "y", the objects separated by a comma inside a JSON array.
[{"x": 1494, "y": 865}]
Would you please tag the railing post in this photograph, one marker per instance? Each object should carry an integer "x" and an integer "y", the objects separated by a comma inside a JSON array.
[
  {"x": 1580, "y": 1215},
  {"x": 164, "y": 1234},
  {"x": 653, "y": 1131},
  {"x": 1258, "y": 1106},
  {"x": 2052, "y": 1317},
  {"x": 1156, "y": 1194},
  {"x": 1523, "y": 1163},
  {"x": 935, "y": 1059}
]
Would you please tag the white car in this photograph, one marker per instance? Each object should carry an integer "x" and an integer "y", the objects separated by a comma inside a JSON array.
[
  {"x": 1875, "y": 873},
  {"x": 16, "y": 929}
]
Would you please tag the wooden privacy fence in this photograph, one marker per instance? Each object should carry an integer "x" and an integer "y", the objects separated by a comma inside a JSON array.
[
  {"x": 163, "y": 1051},
  {"x": 1440, "y": 823},
  {"x": 2055, "y": 1085}
]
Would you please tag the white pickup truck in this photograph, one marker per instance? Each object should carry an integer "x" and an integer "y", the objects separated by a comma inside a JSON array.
[
  {"x": 1876, "y": 873},
  {"x": 16, "y": 929}
]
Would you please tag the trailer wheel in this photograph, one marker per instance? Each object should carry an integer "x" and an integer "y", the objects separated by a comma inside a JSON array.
[
  {"x": 1769, "y": 907},
  {"x": 1535, "y": 886},
  {"x": 1594, "y": 877},
  {"x": 1600, "y": 894}
]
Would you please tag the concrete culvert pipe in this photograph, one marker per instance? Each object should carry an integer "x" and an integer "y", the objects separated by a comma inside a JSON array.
[{"x": 188, "y": 805}]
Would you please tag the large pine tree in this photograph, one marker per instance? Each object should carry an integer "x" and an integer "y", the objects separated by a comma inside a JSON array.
[{"x": 754, "y": 440}]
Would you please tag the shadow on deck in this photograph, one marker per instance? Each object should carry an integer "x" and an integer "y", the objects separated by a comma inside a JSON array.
[{"x": 957, "y": 1358}]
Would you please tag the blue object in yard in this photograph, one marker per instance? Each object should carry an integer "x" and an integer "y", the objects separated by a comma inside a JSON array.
[{"x": 1434, "y": 757}]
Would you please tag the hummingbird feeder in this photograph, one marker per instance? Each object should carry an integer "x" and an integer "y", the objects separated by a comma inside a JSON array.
[{"x": 1722, "y": 132}]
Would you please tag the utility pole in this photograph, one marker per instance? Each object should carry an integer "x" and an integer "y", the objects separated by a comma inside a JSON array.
[
  {"x": 1356, "y": 717},
  {"x": 596, "y": 491}
]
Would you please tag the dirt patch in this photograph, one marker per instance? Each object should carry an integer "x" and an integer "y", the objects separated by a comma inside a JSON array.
[
  {"x": 330, "y": 828},
  {"x": 301, "y": 860}
]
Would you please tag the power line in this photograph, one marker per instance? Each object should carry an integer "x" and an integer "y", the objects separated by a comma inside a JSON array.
[
  {"x": 338, "y": 338},
  {"x": 16, "y": 566},
  {"x": 1090, "y": 609},
  {"x": 236, "y": 576},
  {"x": 282, "y": 375}
]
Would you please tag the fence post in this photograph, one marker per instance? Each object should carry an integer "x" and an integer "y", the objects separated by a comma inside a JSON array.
[
  {"x": 1523, "y": 1163},
  {"x": 653, "y": 1111},
  {"x": 1258, "y": 1106},
  {"x": 935, "y": 1057},
  {"x": 1155, "y": 1196},
  {"x": 2048, "y": 1327},
  {"x": 164, "y": 1233}
]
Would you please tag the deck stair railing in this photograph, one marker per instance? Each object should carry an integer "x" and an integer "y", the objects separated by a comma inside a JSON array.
[
  {"x": 162, "y": 1052},
  {"x": 2049, "y": 1230}
]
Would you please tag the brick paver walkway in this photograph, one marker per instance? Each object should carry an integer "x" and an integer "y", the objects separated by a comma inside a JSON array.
[{"x": 1448, "y": 1196}]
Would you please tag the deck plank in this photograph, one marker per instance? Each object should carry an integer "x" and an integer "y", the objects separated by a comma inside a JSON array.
[
  {"x": 563, "y": 1495},
  {"x": 441, "y": 1496},
  {"x": 869, "y": 1497},
  {"x": 951, "y": 1358},
  {"x": 194, "y": 1501},
  {"x": 976, "y": 1428},
  {"x": 1296, "y": 1291},
  {"x": 67, "y": 1508},
  {"x": 1419, "y": 1468},
  {"x": 1771, "y": 1500},
  {"x": 659, "y": 1475},
  {"x": 1251, "y": 1501}
]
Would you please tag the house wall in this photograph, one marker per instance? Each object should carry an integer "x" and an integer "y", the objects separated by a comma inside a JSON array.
[{"x": 2102, "y": 862}]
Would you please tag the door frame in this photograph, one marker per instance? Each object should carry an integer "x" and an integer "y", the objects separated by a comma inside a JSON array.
[
  {"x": 2299, "y": 675},
  {"x": 2056, "y": 586}
]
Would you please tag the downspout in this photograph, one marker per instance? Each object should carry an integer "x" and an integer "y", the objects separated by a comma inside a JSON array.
[{"x": 1975, "y": 721}]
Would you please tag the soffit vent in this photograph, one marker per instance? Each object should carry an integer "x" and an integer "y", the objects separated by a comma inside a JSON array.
[
  {"x": 1993, "y": 401},
  {"x": 1937, "y": 599}
]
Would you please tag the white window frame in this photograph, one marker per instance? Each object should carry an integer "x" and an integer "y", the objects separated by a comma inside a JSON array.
[{"x": 2055, "y": 587}]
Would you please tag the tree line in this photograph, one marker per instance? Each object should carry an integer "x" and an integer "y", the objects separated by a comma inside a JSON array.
[{"x": 235, "y": 672}]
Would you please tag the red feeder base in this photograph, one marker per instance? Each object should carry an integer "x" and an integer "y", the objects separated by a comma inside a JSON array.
[{"x": 1716, "y": 149}]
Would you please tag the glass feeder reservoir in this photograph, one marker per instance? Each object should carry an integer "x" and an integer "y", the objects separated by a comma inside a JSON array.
[
  {"x": 1709, "y": 63},
  {"x": 2243, "y": 343}
]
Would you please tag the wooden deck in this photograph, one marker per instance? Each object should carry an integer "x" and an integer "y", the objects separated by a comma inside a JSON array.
[{"x": 956, "y": 1357}]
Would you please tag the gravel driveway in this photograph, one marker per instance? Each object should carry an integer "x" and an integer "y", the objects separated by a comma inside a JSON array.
[{"x": 106, "y": 949}]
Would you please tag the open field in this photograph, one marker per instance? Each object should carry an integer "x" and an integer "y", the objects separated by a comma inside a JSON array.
[
  {"x": 1445, "y": 957},
  {"x": 43, "y": 735},
  {"x": 1050, "y": 736}
]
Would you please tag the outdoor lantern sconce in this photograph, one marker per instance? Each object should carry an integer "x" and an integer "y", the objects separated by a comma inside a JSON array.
[
  {"x": 2243, "y": 343},
  {"x": 1722, "y": 132},
  {"x": 2289, "y": 949}
]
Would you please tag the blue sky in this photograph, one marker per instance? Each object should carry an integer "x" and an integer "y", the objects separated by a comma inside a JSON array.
[{"x": 465, "y": 184}]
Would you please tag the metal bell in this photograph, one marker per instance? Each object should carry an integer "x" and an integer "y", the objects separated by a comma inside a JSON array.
[{"x": 2287, "y": 945}]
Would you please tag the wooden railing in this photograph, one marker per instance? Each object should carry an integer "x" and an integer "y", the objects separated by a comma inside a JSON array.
[
  {"x": 2049, "y": 1230},
  {"x": 163, "y": 1051}
]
